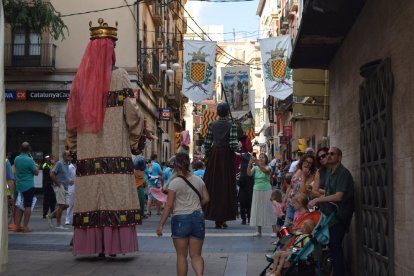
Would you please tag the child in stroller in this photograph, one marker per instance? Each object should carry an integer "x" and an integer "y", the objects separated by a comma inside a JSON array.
[{"x": 301, "y": 239}]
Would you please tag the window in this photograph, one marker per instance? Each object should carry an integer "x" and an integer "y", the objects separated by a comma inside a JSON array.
[
  {"x": 26, "y": 48},
  {"x": 26, "y": 43}
]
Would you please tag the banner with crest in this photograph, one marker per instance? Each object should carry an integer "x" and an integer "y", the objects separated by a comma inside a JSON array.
[
  {"x": 236, "y": 86},
  {"x": 277, "y": 75},
  {"x": 198, "y": 75}
]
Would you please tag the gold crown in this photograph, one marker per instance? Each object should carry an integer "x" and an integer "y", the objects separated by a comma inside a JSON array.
[
  {"x": 199, "y": 55},
  {"x": 276, "y": 53},
  {"x": 103, "y": 30}
]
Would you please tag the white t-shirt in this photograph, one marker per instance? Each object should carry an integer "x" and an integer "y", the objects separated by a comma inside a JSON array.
[
  {"x": 186, "y": 199},
  {"x": 293, "y": 166}
]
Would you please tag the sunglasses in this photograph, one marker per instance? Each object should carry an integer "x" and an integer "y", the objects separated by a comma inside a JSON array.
[{"x": 323, "y": 156}]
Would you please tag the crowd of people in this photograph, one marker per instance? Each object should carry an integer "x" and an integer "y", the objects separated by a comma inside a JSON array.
[
  {"x": 269, "y": 193},
  {"x": 231, "y": 181}
]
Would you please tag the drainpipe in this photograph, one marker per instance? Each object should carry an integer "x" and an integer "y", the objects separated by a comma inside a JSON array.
[
  {"x": 138, "y": 45},
  {"x": 325, "y": 106}
]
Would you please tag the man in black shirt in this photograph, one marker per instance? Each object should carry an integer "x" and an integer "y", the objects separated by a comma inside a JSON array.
[
  {"x": 339, "y": 190},
  {"x": 49, "y": 199}
]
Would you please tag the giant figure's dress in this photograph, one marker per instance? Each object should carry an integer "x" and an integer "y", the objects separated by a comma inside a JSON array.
[{"x": 106, "y": 206}]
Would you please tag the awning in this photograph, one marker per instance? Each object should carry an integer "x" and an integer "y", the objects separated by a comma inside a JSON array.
[{"x": 324, "y": 26}]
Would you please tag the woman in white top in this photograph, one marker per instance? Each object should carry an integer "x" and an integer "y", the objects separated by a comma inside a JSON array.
[{"x": 187, "y": 222}]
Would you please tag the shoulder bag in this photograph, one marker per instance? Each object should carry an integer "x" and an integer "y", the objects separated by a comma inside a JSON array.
[{"x": 191, "y": 186}]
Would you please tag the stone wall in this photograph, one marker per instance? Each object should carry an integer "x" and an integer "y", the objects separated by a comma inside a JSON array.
[{"x": 383, "y": 29}]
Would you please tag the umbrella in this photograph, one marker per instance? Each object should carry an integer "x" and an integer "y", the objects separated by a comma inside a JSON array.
[{"x": 159, "y": 194}]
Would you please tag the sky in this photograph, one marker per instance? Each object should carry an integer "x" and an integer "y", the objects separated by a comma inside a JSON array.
[{"x": 239, "y": 17}]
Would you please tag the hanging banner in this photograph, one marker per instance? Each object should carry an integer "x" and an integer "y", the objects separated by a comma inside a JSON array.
[
  {"x": 207, "y": 117},
  {"x": 236, "y": 86},
  {"x": 247, "y": 125},
  {"x": 198, "y": 77},
  {"x": 276, "y": 53},
  {"x": 287, "y": 131}
]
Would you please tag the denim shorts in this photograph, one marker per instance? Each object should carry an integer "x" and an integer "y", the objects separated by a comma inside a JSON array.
[{"x": 188, "y": 226}]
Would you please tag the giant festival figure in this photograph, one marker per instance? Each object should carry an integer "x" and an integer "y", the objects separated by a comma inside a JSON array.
[
  {"x": 104, "y": 126},
  {"x": 221, "y": 144}
]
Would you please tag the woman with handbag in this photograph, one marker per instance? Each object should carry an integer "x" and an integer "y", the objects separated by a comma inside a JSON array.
[{"x": 186, "y": 194}]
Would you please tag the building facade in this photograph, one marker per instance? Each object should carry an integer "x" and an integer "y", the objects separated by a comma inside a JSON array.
[
  {"x": 39, "y": 71},
  {"x": 367, "y": 49}
]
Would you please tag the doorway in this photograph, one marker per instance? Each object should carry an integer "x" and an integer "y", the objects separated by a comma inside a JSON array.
[{"x": 376, "y": 212}]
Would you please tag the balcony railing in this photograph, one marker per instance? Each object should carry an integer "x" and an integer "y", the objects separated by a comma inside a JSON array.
[
  {"x": 30, "y": 56},
  {"x": 151, "y": 70}
]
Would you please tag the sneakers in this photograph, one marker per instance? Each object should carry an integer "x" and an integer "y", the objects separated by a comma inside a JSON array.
[
  {"x": 274, "y": 235},
  {"x": 257, "y": 234},
  {"x": 61, "y": 227}
]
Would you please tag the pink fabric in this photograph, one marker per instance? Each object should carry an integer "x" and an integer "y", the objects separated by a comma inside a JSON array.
[
  {"x": 298, "y": 215},
  {"x": 108, "y": 240},
  {"x": 278, "y": 210},
  {"x": 158, "y": 194},
  {"x": 87, "y": 99},
  {"x": 185, "y": 138}
]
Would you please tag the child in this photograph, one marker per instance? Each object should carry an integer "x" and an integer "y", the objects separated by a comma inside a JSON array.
[
  {"x": 300, "y": 206},
  {"x": 302, "y": 238},
  {"x": 276, "y": 200},
  {"x": 261, "y": 210},
  {"x": 198, "y": 167}
]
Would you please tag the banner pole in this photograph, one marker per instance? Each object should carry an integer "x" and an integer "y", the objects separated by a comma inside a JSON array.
[{"x": 225, "y": 97}]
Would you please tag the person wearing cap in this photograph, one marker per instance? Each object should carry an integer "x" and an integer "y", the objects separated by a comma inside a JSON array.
[
  {"x": 26, "y": 169},
  {"x": 49, "y": 198},
  {"x": 104, "y": 127},
  {"x": 220, "y": 177}
]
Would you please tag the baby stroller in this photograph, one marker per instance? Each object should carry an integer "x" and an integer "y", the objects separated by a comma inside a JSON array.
[{"x": 302, "y": 261}]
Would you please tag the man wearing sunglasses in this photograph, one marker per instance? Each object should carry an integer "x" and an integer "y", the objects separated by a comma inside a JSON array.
[{"x": 339, "y": 190}]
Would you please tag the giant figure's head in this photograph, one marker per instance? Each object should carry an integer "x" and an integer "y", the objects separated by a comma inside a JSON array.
[{"x": 223, "y": 109}]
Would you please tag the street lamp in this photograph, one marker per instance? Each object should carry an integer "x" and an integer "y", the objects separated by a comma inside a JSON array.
[{"x": 169, "y": 71}]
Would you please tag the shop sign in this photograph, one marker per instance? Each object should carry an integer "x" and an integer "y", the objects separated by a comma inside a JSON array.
[
  {"x": 164, "y": 114},
  {"x": 287, "y": 131},
  {"x": 36, "y": 95},
  {"x": 271, "y": 109},
  {"x": 284, "y": 140}
]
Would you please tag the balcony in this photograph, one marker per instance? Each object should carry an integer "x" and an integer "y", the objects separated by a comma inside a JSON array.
[
  {"x": 151, "y": 71},
  {"x": 30, "y": 57},
  {"x": 174, "y": 97},
  {"x": 156, "y": 12}
]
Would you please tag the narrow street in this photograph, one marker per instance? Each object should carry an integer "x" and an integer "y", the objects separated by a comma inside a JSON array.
[{"x": 232, "y": 251}]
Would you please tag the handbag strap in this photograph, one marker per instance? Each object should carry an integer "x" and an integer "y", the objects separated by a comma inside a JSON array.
[{"x": 191, "y": 186}]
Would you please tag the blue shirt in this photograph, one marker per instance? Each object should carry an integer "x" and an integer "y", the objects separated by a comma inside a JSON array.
[
  {"x": 156, "y": 171},
  {"x": 25, "y": 169},
  {"x": 63, "y": 176},
  {"x": 167, "y": 174},
  {"x": 199, "y": 173},
  {"x": 9, "y": 171}
]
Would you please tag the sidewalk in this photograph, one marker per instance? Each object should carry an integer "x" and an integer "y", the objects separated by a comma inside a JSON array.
[{"x": 64, "y": 263}]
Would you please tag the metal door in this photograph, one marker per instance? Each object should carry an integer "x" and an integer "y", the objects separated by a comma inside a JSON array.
[{"x": 376, "y": 217}]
